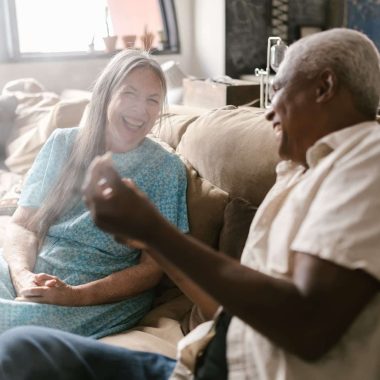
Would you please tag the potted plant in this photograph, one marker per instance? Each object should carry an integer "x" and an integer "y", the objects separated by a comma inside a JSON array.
[
  {"x": 129, "y": 40},
  {"x": 109, "y": 41},
  {"x": 147, "y": 39}
]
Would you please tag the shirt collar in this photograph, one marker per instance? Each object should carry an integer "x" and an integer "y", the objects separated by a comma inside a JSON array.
[{"x": 327, "y": 144}]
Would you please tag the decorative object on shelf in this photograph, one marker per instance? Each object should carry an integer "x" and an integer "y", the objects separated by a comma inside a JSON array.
[
  {"x": 219, "y": 92},
  {"x": 129, "y": 41},
  {"x": 162, "y": 40},
  {"x": 275, "y": 54},
  {"x": 91, "y": 45},
  {"x": 109, "y": 41},
  {"x": 307, "y": 30},
  {"x": 147, "y": 39}
]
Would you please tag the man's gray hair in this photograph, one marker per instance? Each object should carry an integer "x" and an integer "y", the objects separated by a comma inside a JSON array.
[
  {"x": 350, "y": 54},
  {"x": 91, "y": 139}
]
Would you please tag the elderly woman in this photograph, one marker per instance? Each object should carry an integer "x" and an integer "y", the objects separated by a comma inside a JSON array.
[{"x": 60, "y": 270}]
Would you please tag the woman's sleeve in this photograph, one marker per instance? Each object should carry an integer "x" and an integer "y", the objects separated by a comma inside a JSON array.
[
  {"x": 44, "y": 171},
  {"x": 171, "y": 199}
]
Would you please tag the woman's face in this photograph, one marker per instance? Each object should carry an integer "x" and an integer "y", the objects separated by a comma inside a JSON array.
[{"x": 133, "y": 109}]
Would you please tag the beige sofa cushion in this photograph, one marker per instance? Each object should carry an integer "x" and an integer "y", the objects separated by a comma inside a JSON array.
[
  {"x": 205, "y": 203},
  {"x": 231, "y": 146},
  {"x": 172, "y": 127},
  {"x": 159, "y": 331},
  {"x": 175, "y": 120}
]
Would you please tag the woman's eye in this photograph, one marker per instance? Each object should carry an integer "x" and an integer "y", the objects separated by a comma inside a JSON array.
[{"x": 153, "y": 101}]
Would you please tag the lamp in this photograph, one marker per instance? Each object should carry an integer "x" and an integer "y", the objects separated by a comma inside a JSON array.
[
  {"x": 275, "y": 54},
  {"x": 174, "y": 76}
]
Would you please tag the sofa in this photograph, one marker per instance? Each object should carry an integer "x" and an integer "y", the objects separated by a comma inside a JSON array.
[{"x": 230, "y": 155}]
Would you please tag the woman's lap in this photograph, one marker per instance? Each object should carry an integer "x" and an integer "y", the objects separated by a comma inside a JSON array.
[
  {"x": 41, "y": 353},
  {"x": 87, "y": 321}
]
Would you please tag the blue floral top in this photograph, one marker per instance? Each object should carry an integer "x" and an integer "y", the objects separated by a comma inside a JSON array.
[{"x": 78, "y": 252}]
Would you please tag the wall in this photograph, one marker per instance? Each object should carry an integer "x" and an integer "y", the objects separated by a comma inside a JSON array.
[
  {"x": 80, "y": 73},
  {"x": 209, "y": 38}
]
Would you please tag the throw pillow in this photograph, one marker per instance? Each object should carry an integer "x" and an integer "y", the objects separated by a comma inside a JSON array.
[
  {"x": 205, "y": 207},
  {"x": 238, "y": 217}
]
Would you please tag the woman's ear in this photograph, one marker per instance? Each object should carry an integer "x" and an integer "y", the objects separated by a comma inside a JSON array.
[{"x": 327, "y": 86}]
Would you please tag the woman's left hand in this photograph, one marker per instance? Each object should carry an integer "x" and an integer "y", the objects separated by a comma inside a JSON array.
[{"x": 50, "y": 290}]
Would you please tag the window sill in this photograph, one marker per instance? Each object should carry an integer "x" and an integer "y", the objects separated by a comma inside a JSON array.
[{"x": 43, "y": 57}]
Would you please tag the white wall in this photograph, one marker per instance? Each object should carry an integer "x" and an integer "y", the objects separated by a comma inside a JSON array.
[
  {"x": 80, "y": 73},
  {"x": 209, "y": 38}
]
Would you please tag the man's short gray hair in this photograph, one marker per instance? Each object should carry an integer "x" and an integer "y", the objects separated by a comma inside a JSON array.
[{"x": 350, "y": 54}]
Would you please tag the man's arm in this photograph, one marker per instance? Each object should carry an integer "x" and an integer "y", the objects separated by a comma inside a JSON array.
[
  {"x": 306, "y": 315},
  {"x": 207, "y": 305}
]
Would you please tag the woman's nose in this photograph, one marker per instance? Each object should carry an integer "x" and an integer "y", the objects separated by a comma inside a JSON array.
[{"x": 139, "y": 106}]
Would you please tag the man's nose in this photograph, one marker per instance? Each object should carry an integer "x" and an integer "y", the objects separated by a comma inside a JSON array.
[{"x": 269, "y": 114}]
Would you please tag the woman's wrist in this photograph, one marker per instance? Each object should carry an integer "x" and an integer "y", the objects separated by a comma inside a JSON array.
[{"x": 82, "y": 296}]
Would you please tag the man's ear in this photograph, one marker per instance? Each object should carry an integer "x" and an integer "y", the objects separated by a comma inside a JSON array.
[{"x": 327, "y": 86}]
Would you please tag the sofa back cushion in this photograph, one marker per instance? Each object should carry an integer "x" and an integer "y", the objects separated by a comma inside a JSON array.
[
  {"x": 235, "y": 149},
  {"x": 34, "y": 131},
  {"x": 171, "y": 127}
]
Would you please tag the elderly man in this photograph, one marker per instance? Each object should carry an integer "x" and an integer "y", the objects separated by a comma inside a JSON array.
[{"x": 310, "y": 270}]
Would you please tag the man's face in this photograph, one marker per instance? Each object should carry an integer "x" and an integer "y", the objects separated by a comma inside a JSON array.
[{"x": 291, "y": 114}]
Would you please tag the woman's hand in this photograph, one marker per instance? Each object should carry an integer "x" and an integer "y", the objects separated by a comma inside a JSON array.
[
  {"x": 24, "y": 279},
  {"x": 117, "y": 206},
  {"x": 51, "y": 290}
]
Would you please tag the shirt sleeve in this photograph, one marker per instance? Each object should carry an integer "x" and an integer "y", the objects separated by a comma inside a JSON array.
[
  {"x": 45, "y": 169},
  {"x": 342, "y": 224},
  {"x": 170, "y": 194}
]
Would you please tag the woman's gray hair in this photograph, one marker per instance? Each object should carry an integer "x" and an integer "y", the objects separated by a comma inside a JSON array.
[
  {"x": 91, "y": 139},
  {"x": 350, "y": 54}
]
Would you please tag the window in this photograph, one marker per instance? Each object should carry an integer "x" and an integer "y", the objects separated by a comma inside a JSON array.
[{"x": 47, "y": 28}]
